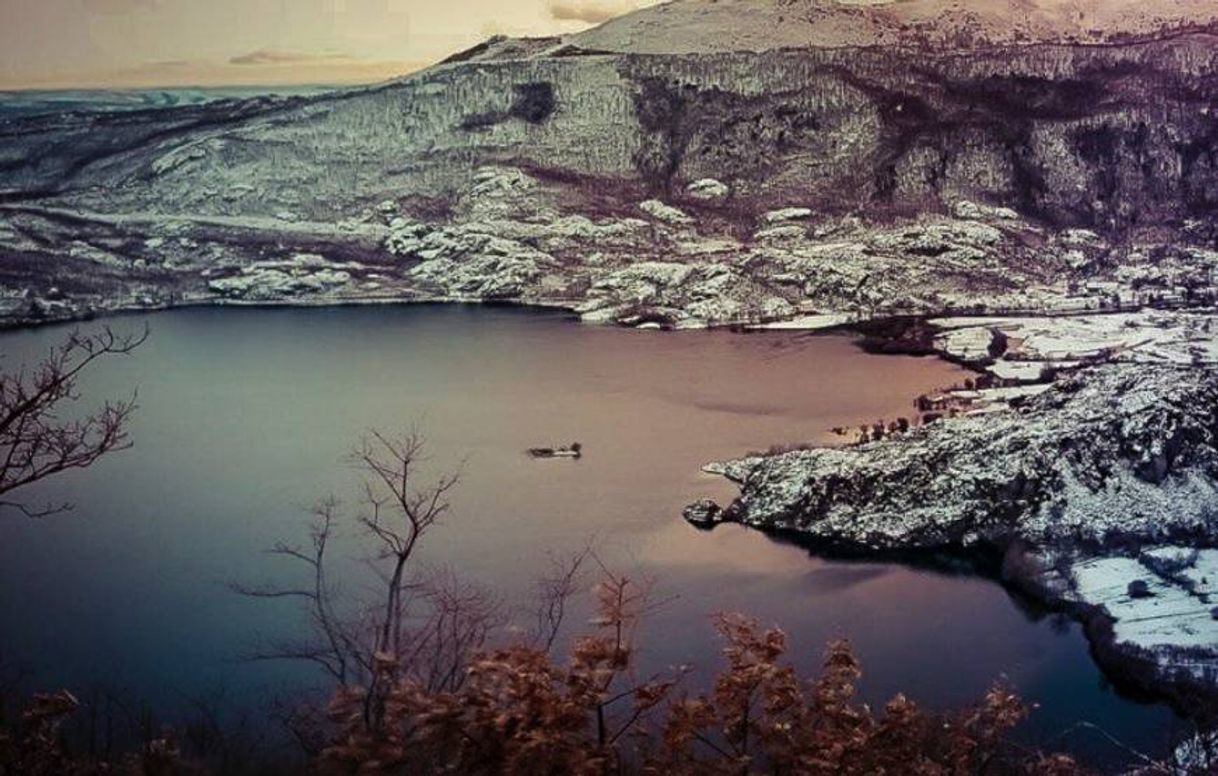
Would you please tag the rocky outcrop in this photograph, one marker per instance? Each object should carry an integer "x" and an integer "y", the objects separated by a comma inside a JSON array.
[
  {"x": 302, "y": 275},
  {"x": 1116, "y": 453},
  {"x": 1106, "y": 479}
]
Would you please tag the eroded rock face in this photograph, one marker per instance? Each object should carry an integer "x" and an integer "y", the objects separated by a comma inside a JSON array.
[{"x": 1103, "y": 137}]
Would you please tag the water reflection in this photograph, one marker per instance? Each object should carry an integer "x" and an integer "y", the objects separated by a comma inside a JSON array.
[{"x": 246, "y": 415}]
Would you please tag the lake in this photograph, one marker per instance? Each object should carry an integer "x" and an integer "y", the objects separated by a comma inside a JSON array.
[{"x": 245, "y": 416}]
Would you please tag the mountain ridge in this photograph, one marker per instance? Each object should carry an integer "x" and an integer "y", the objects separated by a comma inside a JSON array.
[{"x": 703, "y": 26}]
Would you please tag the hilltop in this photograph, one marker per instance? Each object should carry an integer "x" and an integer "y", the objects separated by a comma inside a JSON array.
[{"x": 725, "y": 26}]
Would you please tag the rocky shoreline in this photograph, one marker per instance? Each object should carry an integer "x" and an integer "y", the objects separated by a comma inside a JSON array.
[
  {"x": 1098, "y": 490},
  {"x": 512, "y": 236},
  {"x": 1061, "y": 332}
]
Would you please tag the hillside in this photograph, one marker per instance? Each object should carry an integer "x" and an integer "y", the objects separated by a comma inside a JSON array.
[{"x": 715, "y": 26}]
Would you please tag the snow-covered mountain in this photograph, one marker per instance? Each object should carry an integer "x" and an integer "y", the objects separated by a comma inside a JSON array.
[
  {"x": 708, "y": 26},
  {"x": 854, "y": 110},
  {"x": 892, "y": 154}
]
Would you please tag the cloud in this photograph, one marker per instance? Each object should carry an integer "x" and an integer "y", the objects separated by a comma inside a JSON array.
[
  {"x": 273, "y": 57},
  {"x": 591, "y": 11},
  {"x": 110, "y": 7}
]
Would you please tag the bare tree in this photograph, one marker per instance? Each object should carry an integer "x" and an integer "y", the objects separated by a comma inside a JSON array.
[
  {"x": 456, "y": 621},
  {"x": 553, "y": 591},
  {"x": 38, "y": 437},
  {"x": 425, "y": 625},
  {"x": 422, "y": 622},
  {"x": 336, "y": 645},
  {"x": 402, "y": 511}
]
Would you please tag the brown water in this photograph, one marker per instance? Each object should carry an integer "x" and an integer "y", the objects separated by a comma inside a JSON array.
[{"x": 245, "y": 415}]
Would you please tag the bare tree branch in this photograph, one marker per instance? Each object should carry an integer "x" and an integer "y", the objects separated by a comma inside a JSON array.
[
  {"x": 425, "y": 624},
  {"x": 401, "y": 513},
  {"x": 553, "y": 591},
  {"x": 36, "y": 440}
]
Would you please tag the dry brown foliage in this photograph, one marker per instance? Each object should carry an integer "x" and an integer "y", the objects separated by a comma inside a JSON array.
[
  {"x": 519, "y": 712},
  {"x": 516, "y": 712},
  {"x": 34, "y": 747}
]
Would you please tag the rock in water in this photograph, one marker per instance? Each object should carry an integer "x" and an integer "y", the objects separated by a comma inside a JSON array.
[{"x": 704, "y": 513}]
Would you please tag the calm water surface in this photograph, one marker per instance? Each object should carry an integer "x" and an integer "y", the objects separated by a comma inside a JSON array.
[{"x": 245, "y": 416}]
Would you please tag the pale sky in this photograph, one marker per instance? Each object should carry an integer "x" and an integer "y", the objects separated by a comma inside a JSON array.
[{"x": 109, "y": 43}]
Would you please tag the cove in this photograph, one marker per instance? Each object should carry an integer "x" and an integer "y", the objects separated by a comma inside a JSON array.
[{"x": 245, "y": 416}]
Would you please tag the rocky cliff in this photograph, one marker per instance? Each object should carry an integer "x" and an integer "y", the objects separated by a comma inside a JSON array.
[{"x": 1108, "y": 137}]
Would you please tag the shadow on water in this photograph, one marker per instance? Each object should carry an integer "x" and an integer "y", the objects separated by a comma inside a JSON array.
[{"x": 955, "y": 562}]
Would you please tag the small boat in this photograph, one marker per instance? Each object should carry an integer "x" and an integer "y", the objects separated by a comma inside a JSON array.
[{"x": 574, "y": 450}]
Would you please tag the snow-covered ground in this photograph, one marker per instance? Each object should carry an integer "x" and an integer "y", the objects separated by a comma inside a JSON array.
[
  {"x": 1145, "y": 336},
  {"x": 1161, "y": 603},
  {"x": 510, "y": 236},
  {"x": 720, "y": 25},
  {"x": 1174, "y": 611}
]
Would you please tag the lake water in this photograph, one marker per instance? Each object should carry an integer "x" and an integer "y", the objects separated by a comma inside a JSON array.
[{"x": 245, "y": 415}]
